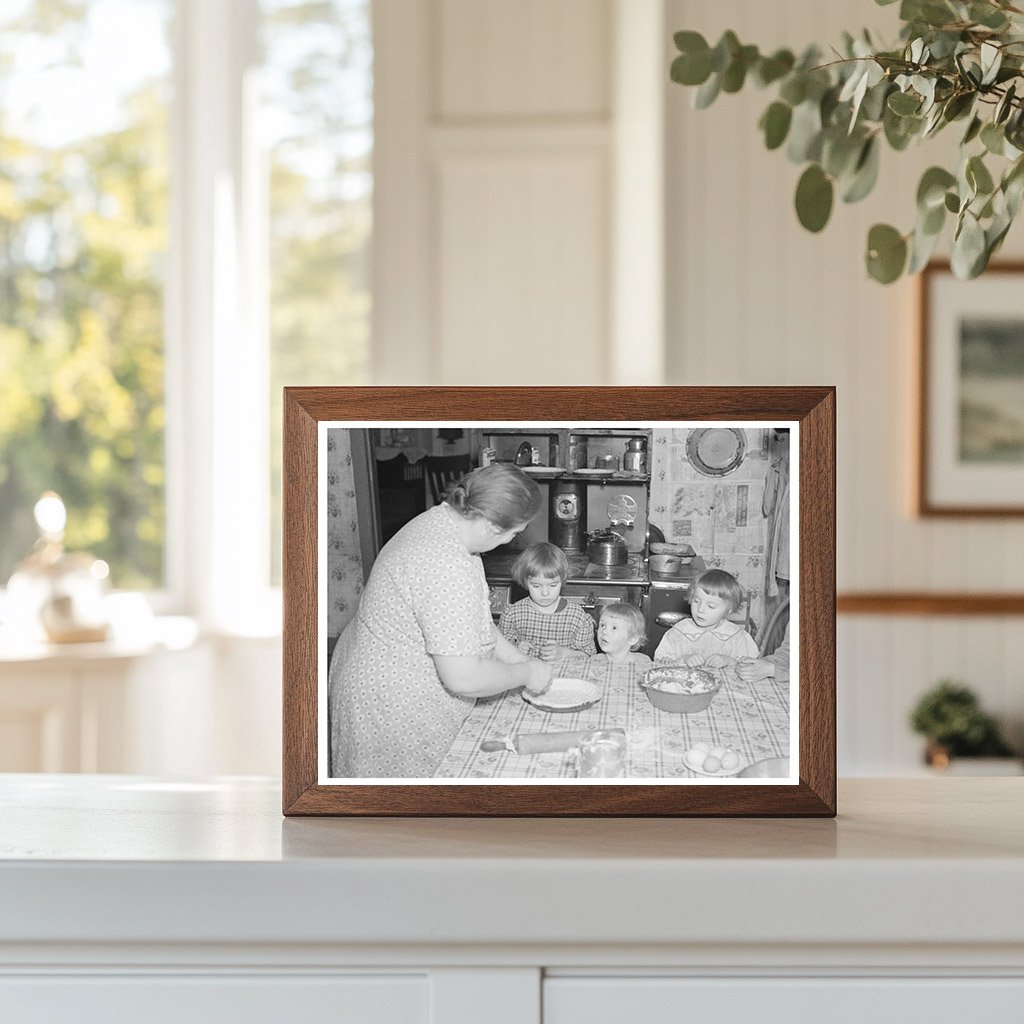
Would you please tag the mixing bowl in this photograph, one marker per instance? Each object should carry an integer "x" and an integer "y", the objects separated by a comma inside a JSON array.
[{"x": 704, "y": 685}]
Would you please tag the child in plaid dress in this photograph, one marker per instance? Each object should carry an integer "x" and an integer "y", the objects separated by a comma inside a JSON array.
[{"x": 545, "y": 625}]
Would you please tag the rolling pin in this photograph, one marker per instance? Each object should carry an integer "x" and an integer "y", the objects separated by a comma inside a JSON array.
[{"x": 541, "y": 742}]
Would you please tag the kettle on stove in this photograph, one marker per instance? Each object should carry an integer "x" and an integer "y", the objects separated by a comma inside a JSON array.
[
  {"x": 606, "y": 547},
  {"x": 527, "y": 455}
]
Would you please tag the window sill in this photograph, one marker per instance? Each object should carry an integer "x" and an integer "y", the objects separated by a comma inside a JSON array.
[{"x": 160, "y": 633}]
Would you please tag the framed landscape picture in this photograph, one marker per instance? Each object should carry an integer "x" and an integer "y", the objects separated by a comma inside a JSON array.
[
  {"x": 559, "y": 601},
  {"x": 970, "y": 450}
]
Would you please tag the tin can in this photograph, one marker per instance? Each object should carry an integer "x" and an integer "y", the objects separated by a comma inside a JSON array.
[{"x": 577, "y": 452}]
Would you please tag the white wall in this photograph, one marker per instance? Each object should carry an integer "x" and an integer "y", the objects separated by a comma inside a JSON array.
[
  {"x": 509, "y": 141},
  {"x": 755, "y": 299},
  {"x": 506, "y": 142}
]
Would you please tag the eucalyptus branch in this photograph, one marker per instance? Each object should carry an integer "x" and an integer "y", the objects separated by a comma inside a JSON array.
[{"x": 834, "y": 116}]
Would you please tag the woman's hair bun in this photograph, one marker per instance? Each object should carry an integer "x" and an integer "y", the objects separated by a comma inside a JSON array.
[{"x": 457, "y": 497}]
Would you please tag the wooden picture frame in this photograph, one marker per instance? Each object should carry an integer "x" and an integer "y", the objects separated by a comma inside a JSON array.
[
  {"x": 970, "y": 378},
  {"x": 803, "y": 416}
]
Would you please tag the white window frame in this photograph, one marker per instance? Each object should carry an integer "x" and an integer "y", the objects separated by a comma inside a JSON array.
[{"x": 217, "y": 352}]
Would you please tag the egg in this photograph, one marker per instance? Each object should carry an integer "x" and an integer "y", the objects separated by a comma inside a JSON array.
[
  {"x": 711, "y": 763},
  {"x": 717, "y": 752},
  {"x": 730, "y": 760},
  {"x": 694, "y": 758},
  {"x": 704, "y": 748}
]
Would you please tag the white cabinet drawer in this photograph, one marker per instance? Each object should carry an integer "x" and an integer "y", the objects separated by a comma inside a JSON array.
[
  {"x": 202, "y": 999},
  {"x": 669, "y": 1000}
]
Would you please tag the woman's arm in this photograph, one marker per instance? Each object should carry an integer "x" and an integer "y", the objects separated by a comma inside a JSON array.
[
  {"x": 470, "y": 676},
  {"x": 505, "y": 650}
]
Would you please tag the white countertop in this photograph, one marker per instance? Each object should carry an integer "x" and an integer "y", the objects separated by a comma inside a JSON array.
[{"x": 125, "y": 859}]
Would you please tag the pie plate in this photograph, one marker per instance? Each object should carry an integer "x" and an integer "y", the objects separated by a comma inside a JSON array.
[{"x": 564, "y": 695}]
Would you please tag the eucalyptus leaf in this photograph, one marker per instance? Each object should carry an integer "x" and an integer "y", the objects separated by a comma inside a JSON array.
[
  {"x": 771, "y": 69},
  {"x": 925, "y": 88},
  {"x": 814, "y": 194},
  {"x": 775, "y": 123},
  {"x": 693, "y": 65},
  {"x": 865, "y": 173},
  {"x": 857, "y": 77},
  {"x": 1004, "y": 106},
  {"x": 707, "y": 93},
  {"x": 958, "y": 105},
  {"x": 978, "y": 175},
  {"x": 735, "y": 74},
  {"x": 840, "y": 152},
  {"x": 932, "y": 221},
  {"x": 899, "y": 130},
  {"x": 903, "y": 103},
  {"x": 805, "y": 133},
  {"x": 724, "y": 51},
  {"x": 952, "y": 202},
  {"x": 922, "y": 248},
  {"x": 943, "y": 44},
  {"x": 991, "y": 59},
  {"x": 968, "y": 246},
  {"x": 794, "y": 88},
  {"x": 828, "y": 104},
  {"x": 933, "y": 122},
  {"x": 987, "y": 15},
  {"x": 1013, "y": 191},
  {"x": 993, "y": 138},
  {"x": 886, "y": 253},
  {"x": 931, "y": 190},
  {"x": 972, "y": 132},
  {"x": 1013, "y": 187},
  {"x": 873, "y": 106}
]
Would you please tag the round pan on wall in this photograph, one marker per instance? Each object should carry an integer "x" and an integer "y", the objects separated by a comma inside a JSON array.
[{"x": 716, "y": 451}]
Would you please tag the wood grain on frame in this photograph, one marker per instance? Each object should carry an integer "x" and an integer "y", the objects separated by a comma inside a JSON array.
[
  {"x": 813, "y": 408},
  {"x": 923, "y": 505}
]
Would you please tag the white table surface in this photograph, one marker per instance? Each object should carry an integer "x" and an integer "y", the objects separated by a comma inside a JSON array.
[{"x": 126, "y": 859}]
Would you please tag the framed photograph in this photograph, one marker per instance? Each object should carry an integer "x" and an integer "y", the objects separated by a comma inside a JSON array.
[
  {"x": 559, "y": 601},
  {"x": 970, "y": 451}
]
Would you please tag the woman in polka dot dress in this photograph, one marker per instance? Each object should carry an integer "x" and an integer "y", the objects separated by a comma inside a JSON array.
[{"x": 422, "y": 645}]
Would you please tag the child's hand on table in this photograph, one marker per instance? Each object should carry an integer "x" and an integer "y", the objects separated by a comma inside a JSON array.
[
  {"x": 694, "y": 660},
  {"x": 753, "y": 670},
  {"x": 719, "y": 661},
  {"x": 554, "y": 652}
]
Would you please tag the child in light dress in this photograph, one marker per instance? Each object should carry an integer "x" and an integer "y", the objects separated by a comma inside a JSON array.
[
  {"x": 620, "y": 631},
  {"x": 545, "y": 625},
  {"x": 707, "y": 637}
]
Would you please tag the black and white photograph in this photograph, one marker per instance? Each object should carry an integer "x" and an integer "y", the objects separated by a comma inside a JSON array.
[{"x": 544, "y": 602}]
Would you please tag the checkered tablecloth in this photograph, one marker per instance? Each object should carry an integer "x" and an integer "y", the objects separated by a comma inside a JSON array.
[{"x": 752, "y": 718}]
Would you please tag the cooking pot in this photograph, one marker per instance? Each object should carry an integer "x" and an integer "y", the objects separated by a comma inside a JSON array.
[
  {"x": 606, "y": 547},
  {"x": 669, "y": 564}
]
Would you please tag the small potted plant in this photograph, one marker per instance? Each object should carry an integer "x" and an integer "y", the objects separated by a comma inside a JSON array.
[{"x": 950, "y": 717}]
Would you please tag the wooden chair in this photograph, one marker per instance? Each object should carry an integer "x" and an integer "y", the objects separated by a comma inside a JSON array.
[
  {"x": 443, "y": 471},
  {"x": 774, "y": 630},
  {"x": 402, "y": 493}
]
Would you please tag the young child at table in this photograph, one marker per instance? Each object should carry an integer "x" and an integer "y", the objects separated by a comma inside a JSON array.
[
  {"x": 620, "y": 631},
  {"x": 707, "y": 637},
  {"x": 545, "y": 625}
]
